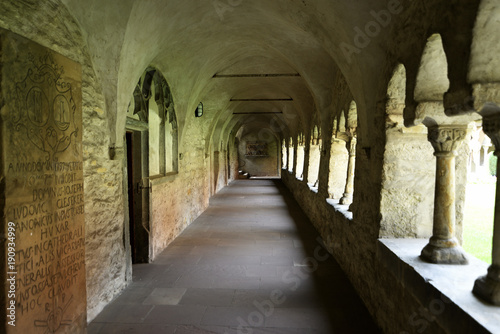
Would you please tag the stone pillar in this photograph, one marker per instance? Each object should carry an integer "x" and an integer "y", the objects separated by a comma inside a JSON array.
[
  {"x": 314, "y": 162},
  {"x": 349, "y": 187},
  {"x": 41, "y": 200},
  {"x": 488, "y": 287},
  {"x": 324, "y": 163},
  {"x": 338, "y": 166},
  {"x": 443, "y": 246}
]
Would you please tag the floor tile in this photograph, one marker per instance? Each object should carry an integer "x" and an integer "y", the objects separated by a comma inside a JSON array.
[
  {"x": 237, "y": 283},
  {"x": 201, "y": 329},
  {"x": 231, "y": 316},
  {"x": 299, "y": 318},
  {"x": 176, "y": 315},
  {"x": 127, "y": 314},
  {"x": 134, "y": 296},
  {"x": 136, "y": 328},
  {"x": 165, "y": 296},
  {"x": 261, "y": 271},
  {"x": 277, "y": 260},
  {"x": 95, "y": 328},
  {"x": 209, "y": 297},
  {"x": 192, "y": 281}
]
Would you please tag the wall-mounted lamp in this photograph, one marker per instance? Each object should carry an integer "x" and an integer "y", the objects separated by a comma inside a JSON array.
[{"x": 198, "y": 112}]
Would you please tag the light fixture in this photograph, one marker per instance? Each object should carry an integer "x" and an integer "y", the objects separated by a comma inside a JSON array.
[{"x": 198, "y": 112}]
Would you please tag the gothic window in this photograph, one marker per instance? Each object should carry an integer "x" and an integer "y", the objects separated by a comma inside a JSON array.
[{"x": 152, "y": 109}]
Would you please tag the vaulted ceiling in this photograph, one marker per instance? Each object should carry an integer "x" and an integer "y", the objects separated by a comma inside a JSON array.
[
  {"x": 261, "y": 61},
  {"x": 267, "y": 62}
]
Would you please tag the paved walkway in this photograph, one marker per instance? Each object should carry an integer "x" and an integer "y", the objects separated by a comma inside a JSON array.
[{"x": 251, "y": 263}]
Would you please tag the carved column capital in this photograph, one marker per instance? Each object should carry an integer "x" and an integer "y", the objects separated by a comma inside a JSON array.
[{"x": 446, "y": 139}]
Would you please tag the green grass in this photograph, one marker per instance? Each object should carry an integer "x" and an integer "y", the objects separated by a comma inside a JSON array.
[{"x": 478, "y": 218}]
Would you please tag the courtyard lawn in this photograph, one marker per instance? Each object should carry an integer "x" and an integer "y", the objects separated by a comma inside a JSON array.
[{"x": 478, "y": 220}]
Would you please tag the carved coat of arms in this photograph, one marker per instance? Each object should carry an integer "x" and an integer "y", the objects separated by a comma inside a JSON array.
[{"x": 46, "y": 108}]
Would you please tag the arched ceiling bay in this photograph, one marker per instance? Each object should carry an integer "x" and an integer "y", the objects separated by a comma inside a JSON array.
[{"x": 193, "y": 41}]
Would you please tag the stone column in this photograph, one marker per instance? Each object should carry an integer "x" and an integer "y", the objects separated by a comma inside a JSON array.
[
  {"x": 488, "y": 287},
  {"x": 349, "y": 187},
  {"x": 443, "y": 246}
]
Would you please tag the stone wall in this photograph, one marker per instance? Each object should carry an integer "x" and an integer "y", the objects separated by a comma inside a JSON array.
[
  {"x": 42, "y": 187},
  {"x": 339, "y": 157},
  {"x": 259, "y": 164},
  {"x": 299, "y": 166},
  {"x": 233, "y": 161},
  {"x": 176, "y": 201},
  {"x": 354, "y": 247},
  {"x": 397, "y": 306},
  {"x": 223, "y": 166},
  {"x": 352, "y": 239},
  {"x": 49, "y": 24},
  {"x": 314, "y": 157},
  {"x": 407, "y": 184},
  {"x": 218, "y": 171}
]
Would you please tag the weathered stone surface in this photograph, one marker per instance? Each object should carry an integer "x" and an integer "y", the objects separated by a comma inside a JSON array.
[
  {"x": 444, "y": 301},
  {"x": 176, "y": 201},
  {"x": 291, "y": 159},
  {"x": 299, "y": 167},
  {"x": 407, "y": 186},
  {"x": 42, "y": 167},
  {"x": 50, "y": 24},
  {"x": 314, "y": 158},
  {"x": 258, "y": 155},
  {"x": 443, "y": 246},
  {"x": 486, "y": 93},
  {"x": 115, "y": 40},
  {"x": 488, "y": 287},
  {"x": 349, "y": 186},
  {"x": 338, "y": 168}
]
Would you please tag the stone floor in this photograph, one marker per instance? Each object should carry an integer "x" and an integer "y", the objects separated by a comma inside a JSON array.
[{"x": 251, "y": 263}]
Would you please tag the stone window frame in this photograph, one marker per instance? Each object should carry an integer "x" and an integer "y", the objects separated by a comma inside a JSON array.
[{"x": 148, "y": 85}]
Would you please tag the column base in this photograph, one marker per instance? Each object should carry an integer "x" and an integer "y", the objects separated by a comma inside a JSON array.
[
  {"x": 487, "y": 287},
  {"x": 441, "y": 251},
  {"x": 346, "y": 200}
]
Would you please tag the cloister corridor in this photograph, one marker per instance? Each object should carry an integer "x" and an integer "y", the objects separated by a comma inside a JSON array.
[
  {"x": 251, "y": 263},
  {"x": 249, "y": 166}
]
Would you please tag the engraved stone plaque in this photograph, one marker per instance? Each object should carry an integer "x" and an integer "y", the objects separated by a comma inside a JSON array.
[{"x": 42, "y": 199}]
